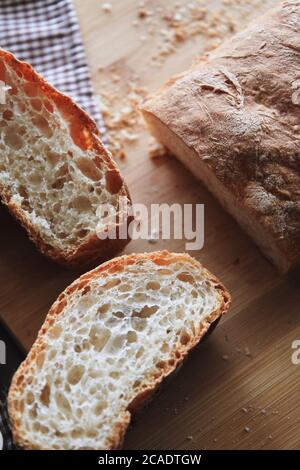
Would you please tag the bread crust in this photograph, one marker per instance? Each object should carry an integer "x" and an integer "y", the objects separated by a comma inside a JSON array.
[
  {"x": 237, "y": 114},
  {"x": 92, "y": 249},
  {"x": 150, "y": 384}
]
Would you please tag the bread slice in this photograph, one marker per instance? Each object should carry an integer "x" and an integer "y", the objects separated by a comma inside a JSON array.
[
  {"x": 233, "y": 120},
  {"x": 106, "y": 344},
  {"x": 54, "y": 170}
]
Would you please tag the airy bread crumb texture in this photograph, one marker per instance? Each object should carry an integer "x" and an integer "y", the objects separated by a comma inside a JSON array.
[
  {"x": 117, "y": 337},
  {"x": 44, "y": 171}
]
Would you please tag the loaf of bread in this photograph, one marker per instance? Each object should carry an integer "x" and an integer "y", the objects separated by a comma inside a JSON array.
[
  {"x": 234, "y": 121},
  {"x": 54, "y": 171},
  {"x": 106, "y": 344}
]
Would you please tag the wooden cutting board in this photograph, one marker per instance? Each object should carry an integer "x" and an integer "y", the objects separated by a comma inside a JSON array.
[{"x": 238, "y": 390}]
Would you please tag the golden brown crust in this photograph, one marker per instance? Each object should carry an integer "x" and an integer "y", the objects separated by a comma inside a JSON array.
[
  {"x": 86, "y": 134},
  {"x": 150, "y": 383},
  {"x": 239, "y": 110}
]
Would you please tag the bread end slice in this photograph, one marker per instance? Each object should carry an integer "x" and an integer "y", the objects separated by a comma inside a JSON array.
[
  {"x": 55, "y": 172},
  {"x": 106, "y": 345}
]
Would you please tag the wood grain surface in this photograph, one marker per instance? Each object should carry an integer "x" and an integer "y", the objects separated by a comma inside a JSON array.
[{"x": 239, "y": 389}]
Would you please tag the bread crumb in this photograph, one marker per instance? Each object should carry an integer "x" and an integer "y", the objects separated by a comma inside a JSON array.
[
  {"x": 225, "y": 357},
  {"x": 245, "y": 410},
  {"x": 122, "y": 119},
  {"x": 142, "y": 13},
  {"x": 106, "y": 7},
  {"x": 247, "y": 351},
  {"x": 189, "y": 438},
  {"x": 247, "y": 429}
]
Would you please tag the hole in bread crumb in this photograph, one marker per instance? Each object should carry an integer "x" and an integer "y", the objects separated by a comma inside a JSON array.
[
  {"x": 40, "y": 359},
  {"x": 75, "y": 374},
  {"x": 140, "y": 352},
  {"x": 153, "y": 285},
  {"x": 7, "y": 115},
  {"x": 115, "y": 374},
  {"x": 55, "y": 331},
  {"x": 119, "y": 314},
  {"x": 36, "y": 426},
  {"x": 111, "y": 387},
  {"x": 88, "y": 168},
  {"x": 104, "y": 308},
  {"x": 131, "y": 336},
  {"x": 45, "y": 395},
  {"x": 48, "y": 106},
  {"x": 44, "y": 429},
  {"x": 186, "y": 277},
  {"x": 29, "y": 398},
  {"x": 99, "y": 337},
  {"x": 57, "y": 207},
  {"x": 180, "y": 313},
  {"x": 140, "y": 297},
  {"x": 30, "y": 89},
  {"x": 42, "y": 124},
  {"x": 20, "y": 380},
  {"x": 125, "y": 288},
  {"x": 184, "y": 338},
  {"x": 139, "y": 324},
  {"x": 160, "y": 365},
  {"x": 33, "y": 412},
  {"x": 165, "y": 272},
  {"x": 76, "y": 433},
  {"x": 117, "y": 343},
  {"x": 52, "y": 157},
  {"x": 58, "y": 184},
  {"x": 36, "y": 104},
  {"x": 61, "y": 235},
  {"x": 62, "y": 403},
  {"x": 112, "y": 283},
  {"x": 82, "y": 204},
  {"x": 82, "y": 233},
  {"x": 35, "y": 178},
  {"x": 146, "y": 311},
  {"x": 12, "y": 139},
  {"x": 165, "y": 348},
  {"x": 137, "y": 383}
]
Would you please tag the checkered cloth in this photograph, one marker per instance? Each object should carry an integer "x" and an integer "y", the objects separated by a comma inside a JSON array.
[
  {"x": 6, "y": 442},
  {"x": 46, "y": 34}
]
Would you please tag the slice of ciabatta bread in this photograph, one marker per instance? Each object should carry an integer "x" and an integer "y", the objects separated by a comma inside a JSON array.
[
  {"x": 54, "y": 170},
  {"x": 106, "y": 344}
]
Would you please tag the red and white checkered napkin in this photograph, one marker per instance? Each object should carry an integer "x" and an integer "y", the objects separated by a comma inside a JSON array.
[{"x": 46, "y": 34}]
